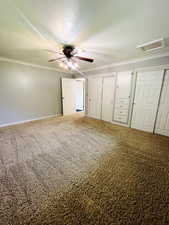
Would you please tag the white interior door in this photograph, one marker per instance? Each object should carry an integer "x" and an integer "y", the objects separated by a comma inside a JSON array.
[
  {"x": 146, "y": 100},
  {"x": 108, "y": 98},
  {"x": 94, "y": 97},
  {"x": 162, "y": 125},
  {"x": 68, "y": 96}
]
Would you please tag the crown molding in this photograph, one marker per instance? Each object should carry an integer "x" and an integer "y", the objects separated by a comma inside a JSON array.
[
  {"x": 131, "y": 61},
  {"x": 152, "y": 68},
  {"x": 30, "y": 64},
  {"x": 111, "y": 74}
]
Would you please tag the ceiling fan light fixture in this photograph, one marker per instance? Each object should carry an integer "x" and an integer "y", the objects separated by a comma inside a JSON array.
[
  {"x": 69, "y": 55},
  {"x": 66, "y": 67},
  {"x": 70, "y": 64},
  {"x": 76, "y": 65},
  {"x": 61, "y": 64}
]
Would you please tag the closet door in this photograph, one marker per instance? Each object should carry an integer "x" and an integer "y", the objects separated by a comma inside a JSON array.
[
  {"x": 122, "y": 97},
  {"x": 162, "y": 125},
  {"x": 148, "y": 87},
  {"x": 108, "y": 98},
  {"x": 94, "y": 97}
]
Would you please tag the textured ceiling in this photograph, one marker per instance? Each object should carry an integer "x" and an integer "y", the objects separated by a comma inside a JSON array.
[{"x": 108, "y": 30}]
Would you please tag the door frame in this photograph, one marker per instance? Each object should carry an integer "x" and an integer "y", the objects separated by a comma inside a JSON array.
[{"x": 84, "y": 92}]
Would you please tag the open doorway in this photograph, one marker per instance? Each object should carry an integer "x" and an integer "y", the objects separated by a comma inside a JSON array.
[
  {"x": 80, "y": 99},
  {"x": 73, "y": 95}
]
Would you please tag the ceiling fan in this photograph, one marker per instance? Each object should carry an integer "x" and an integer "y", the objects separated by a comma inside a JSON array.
[{"x": 68, "y": 57}]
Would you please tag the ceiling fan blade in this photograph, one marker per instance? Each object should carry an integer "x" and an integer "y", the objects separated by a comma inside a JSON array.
[
  {"x": 53, "y": 60},
  {"x": 85, "y": 59},
  {"x": 54, "y": 52}
]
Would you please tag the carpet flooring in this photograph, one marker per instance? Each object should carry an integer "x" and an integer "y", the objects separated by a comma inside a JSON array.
[{"x": 80, "y": 171}]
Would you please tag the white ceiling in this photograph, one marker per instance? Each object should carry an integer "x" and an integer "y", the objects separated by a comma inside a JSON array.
[{"x": 108, "y": 30}]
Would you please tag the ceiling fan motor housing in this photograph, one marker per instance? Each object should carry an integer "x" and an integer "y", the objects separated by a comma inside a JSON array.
[{"x": 68, "y": 50}]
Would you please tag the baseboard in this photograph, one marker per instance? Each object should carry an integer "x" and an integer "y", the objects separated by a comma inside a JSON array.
[
  {"x": 26, "y": 121},
  {"x": 112, "y": 122},
  {"x": 120, "y": 124}
]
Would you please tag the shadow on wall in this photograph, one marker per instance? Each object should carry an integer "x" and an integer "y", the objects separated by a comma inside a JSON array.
[
  {"x": 99, "y": 19},
  {"x": 75, "y": 21}
]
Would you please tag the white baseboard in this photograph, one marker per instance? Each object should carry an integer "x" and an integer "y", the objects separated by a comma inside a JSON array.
[{"x": 26, "y": 121}]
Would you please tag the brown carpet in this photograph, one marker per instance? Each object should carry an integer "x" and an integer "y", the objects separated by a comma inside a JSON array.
[{"x": 80, "y": 171}]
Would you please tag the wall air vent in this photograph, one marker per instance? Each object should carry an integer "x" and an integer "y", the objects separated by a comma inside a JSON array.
[{"x": 153, "y": 45}]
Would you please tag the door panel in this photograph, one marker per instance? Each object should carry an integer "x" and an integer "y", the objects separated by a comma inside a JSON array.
[
  {"x": 162, "y": 125},
  {"x": 122, "y": 96},
  {"x": 68, "y": 96},
  {"x": 94, "y": 97},
  {"x": 108, "y": 98},
  {"x": 123, "y": 85},
  {"x": 148, "y": 87}
]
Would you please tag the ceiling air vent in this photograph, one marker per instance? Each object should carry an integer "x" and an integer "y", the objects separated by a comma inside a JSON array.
[{"x": 153, "y": 45}]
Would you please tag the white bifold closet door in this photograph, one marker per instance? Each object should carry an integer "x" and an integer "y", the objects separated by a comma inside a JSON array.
[
  {"x": 148, "y": 88},
  {"x": 122, "y": 97},
  {"x": 94, "y": 97},
  {"x": 108, "y": 98},
  {"x": 162, "y": 125}
]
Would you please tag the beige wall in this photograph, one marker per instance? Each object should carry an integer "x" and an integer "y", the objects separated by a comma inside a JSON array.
[{"x": 28, "y": 93}]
